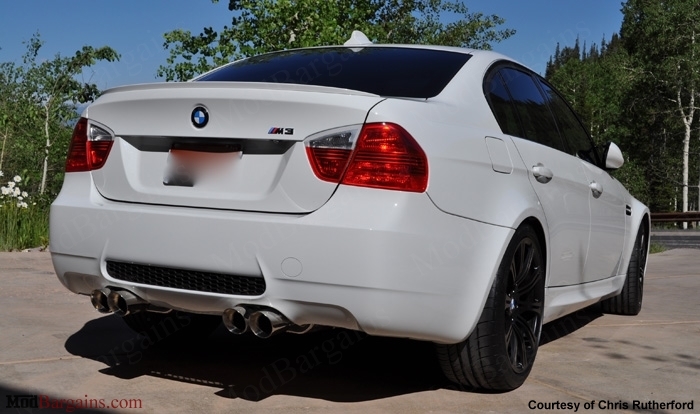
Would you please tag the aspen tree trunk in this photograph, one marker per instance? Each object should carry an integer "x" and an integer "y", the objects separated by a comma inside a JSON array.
[
  {"x": 687, "y": 122},
  {"x": 46, "y": 149}
]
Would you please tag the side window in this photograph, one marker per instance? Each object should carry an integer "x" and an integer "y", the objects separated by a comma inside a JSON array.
[
  {"x": 536, "y": 119},
  {"x": 572, "y": 131},
  {"x": 502, "y": 106}
]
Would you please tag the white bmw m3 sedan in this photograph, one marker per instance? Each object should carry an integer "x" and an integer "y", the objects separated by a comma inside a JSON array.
[{"x": 434, "y": 193}]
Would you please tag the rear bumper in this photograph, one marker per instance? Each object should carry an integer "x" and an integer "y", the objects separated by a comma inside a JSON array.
[{"x": 385, "y": 262}]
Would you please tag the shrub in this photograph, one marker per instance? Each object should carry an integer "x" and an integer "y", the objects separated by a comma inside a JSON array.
[{"x": 24, "y": 222}]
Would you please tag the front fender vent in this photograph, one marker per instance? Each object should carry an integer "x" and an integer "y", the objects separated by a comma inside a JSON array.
[{"x": 186, "y": 279}]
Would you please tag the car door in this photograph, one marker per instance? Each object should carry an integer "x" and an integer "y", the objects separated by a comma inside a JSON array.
[
  {"x": 607, "y": 225},
  {"x": 558, "y": 178},
  {"x": 605, "y": 197}
]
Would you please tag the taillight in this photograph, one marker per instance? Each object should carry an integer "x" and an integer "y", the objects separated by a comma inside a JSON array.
[
  {"x": 329, "y": 152},
  {"x": 385, "y": 156},
  {"x": 89, "y": 147}
]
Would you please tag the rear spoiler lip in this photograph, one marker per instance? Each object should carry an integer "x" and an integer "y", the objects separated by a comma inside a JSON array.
[{"x": 238, "y": 85}]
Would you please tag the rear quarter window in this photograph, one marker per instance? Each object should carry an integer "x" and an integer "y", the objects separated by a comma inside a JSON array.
[
  {"x": 502, "y": 106},
  {"x": 535, "y": 117}
]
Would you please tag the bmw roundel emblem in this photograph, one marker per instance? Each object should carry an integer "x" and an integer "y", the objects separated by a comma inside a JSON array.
[{"x": 199, "y": 117}]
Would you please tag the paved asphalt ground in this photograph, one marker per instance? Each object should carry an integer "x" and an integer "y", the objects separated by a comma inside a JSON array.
[{"x": 54, "y": 345}]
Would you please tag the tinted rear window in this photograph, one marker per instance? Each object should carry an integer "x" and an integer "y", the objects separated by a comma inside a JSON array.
[{"x": 404, "y": 72}]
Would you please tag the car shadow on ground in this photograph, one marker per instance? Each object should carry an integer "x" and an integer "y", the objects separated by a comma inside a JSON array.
[
  {"x": 569, "y": 324},
  {"x": 332, "y": 364}
]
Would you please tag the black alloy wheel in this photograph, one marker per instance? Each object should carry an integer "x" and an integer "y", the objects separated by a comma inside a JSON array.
[{"x": 500, "y": 352}]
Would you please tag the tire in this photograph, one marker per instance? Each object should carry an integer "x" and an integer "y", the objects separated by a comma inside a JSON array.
[
  {"x": 629, "y": 301},
  {"x": 498, "y": 355},
  {"x": 173, "y": 326}
]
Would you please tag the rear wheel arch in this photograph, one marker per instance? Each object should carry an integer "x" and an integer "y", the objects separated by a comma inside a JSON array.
[
  {"x": 542, "y": 238},
  {"x": 499, "y": 353},
  {"x": 645, "y": 222},
  {"x": 629, "y": 300}
]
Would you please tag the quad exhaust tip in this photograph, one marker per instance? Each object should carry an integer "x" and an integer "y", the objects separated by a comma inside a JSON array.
[
  {"x": 266, "y": 323},
  {"x": 263, "y": 323},
  {"x": 235, "y": 320},
  {"x": 238, "y": 320},
  {"x": 123, "y": 302},
  {"x": 100, "y": 301}
]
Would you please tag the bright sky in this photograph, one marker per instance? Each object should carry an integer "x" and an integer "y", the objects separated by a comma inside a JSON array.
[{"x": 134, "y": 28}]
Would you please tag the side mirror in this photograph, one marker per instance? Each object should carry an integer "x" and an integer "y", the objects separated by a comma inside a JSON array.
[{"x": 613, "y": 156}]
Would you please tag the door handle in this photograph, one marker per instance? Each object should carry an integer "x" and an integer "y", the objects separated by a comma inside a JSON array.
[
  {"x": 596, "y": 189},
  {"x": 542, "y": 174}
]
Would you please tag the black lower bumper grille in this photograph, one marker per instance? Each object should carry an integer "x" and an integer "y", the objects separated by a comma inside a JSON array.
[{"x": 186, "y": 279}]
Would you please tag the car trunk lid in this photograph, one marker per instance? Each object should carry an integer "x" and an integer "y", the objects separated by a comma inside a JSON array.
[{"x": 249, "y": 155}]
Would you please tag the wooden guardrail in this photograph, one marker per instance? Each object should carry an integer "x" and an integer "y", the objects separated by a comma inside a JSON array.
[{"x": 675, "y": 217}]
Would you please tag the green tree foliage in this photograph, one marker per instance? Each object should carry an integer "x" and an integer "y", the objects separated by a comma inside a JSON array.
[
  {"x": 54, "y": 86},
  {"x": 10, "y": 112},
  {"x": 597, "y": 81},
  {"x": 663, "y": 39},
  {"x": 262, "y": 26},
  {"x": 38, "y": 101},
  {"x": 640, "y": 89}
]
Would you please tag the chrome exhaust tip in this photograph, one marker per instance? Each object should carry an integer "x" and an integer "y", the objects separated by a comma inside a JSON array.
[
  {"x": 235, "y": 320},
  {"x": 100, "y": 301},
  {"x": 123, "y": 302},
  {"x": 264, "y": 323}
]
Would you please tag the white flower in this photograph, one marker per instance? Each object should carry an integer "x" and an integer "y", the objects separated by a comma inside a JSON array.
[
  {"x": 22, "y": 204},
  {"x": 5, "y": 190},
  {"x": 20, "y": 198},
  {"x": 16, "y": 192},
  {"x": 24, "y": 194},
  {"x": 1, "y": 174},
  {"x": 11, "y": 184},
  {"x": 17, "y": 178}
]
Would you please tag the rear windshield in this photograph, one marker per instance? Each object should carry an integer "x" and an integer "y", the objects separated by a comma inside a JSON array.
[{"x": 384, "y": 71}]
